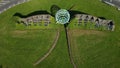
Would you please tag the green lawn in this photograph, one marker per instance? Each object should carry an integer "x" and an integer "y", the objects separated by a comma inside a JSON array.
[
  {"x": 94, "y": 49},
  {"x": 21, "y": 47},
  {"x": 59, "y": 57}
]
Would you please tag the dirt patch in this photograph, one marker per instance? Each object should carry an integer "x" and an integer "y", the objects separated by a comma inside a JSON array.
[
  {"x": 18, "y": 33},
  {"x": 77, "y": 32}
]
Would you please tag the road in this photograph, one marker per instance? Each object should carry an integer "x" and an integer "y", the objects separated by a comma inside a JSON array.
[{"x": 6, "y": 4}]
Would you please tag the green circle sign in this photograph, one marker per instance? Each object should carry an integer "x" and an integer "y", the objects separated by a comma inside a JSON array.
[{"x": 62, "y": 16}]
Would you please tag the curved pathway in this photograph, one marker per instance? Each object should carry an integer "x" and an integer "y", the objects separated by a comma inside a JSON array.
[
  {"x": 6, "y": 4},
  {"x": 50, "y": 50}
]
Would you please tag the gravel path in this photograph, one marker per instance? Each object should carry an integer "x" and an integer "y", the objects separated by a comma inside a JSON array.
[{"x": 50, "y": 50}]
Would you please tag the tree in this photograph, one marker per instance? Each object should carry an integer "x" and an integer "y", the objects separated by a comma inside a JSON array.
[
  {"x": 54, "y": 9},
  {"x": 1, "y": 66}
]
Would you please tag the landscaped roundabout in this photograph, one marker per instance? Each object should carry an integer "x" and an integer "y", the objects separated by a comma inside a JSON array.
[{"x": 60, "y": 34}]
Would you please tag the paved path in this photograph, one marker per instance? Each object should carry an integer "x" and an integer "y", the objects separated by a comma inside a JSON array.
[
  {"x": 6, "y": 4},
  {"x": 113, "y": 2},
  {"x": 50, "y": 50}
]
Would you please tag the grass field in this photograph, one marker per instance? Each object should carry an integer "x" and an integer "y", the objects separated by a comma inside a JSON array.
[
  {"x": 20, "y": 48},
  {"x": 94, "y": 49},
  {"x": 59, "y": 57}
]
